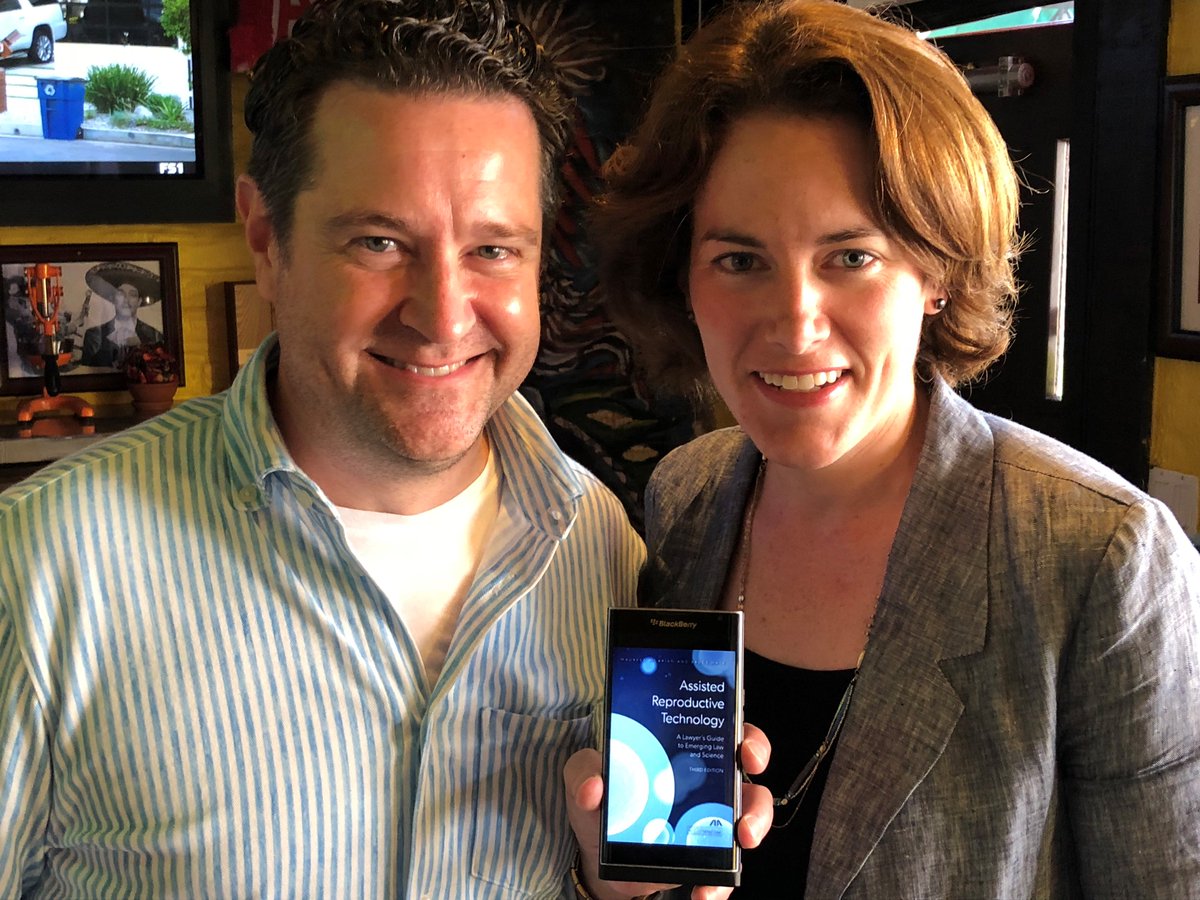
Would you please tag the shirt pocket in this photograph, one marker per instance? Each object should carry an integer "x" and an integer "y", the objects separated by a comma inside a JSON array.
[{"x": 522, "y": 839}]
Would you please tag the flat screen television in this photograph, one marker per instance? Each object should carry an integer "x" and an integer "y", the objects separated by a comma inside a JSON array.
[{"x": 113, "y": 169}]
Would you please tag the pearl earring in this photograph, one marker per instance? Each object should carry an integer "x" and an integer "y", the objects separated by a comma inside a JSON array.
[{"x": 939, "y": 304}]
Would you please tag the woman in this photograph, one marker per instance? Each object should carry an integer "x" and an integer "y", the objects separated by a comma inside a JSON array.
[{"x": 974, "y": 650}]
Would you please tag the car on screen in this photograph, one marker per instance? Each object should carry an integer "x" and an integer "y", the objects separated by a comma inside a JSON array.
[{"x": 31, "y": 27}]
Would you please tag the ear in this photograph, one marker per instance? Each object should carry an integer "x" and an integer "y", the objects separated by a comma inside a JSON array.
[{"x": 260, "y": 236}]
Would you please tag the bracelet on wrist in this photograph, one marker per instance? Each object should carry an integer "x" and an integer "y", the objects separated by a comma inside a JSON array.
[{"x": 581, "y": 893}]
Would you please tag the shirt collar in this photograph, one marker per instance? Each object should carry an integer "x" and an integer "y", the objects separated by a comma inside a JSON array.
[
  {"x": 253, "y": 443},
  {"x": 543, "y": 483}
]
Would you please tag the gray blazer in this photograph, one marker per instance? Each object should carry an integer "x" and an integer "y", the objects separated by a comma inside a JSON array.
[{"x": 1027, "y": 717}]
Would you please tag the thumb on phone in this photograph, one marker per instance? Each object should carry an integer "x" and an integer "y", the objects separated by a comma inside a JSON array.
[{"x": 585, "y": 791}]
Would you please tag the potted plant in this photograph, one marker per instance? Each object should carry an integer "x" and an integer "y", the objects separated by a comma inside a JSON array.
[{"x": 152, "y": 377}]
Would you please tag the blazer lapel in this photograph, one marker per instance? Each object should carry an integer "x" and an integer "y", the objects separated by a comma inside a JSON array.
[
  {"x": 933, "y": 607},
  {"x": 691, "y": 558}
]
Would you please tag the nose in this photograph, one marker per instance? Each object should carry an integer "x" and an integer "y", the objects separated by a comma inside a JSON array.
[
  {"x": 439, "y": 303},
  {"x": 800, "y": 321}
]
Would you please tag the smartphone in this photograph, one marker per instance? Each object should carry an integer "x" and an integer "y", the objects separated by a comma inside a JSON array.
[{"x": 673, "y": 727}]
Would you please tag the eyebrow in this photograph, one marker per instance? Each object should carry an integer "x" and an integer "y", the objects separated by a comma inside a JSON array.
[
  {"x": 505, "y": 231},
  {"x": 366, "y": 220},
  {"x": 833, "y": 237},
  {"x": 487, "y": 228}
]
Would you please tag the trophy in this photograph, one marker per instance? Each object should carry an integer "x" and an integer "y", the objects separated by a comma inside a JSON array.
[{"x": 44, "y": 283}]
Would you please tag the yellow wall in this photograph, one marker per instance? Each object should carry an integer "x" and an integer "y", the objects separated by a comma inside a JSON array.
[
  {"x": 208, "y": 254},
  {"x": 1175, "y": 427}
]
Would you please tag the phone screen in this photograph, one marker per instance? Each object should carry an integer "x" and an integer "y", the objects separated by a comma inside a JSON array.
[{"x": 674, "y": 725}]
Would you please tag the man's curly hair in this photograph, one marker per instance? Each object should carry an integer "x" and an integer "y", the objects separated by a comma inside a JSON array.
[{"x": 474, "y": 48}]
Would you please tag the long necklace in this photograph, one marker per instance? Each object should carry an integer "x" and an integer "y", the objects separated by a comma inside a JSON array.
[{"x": 794, "y": 796}]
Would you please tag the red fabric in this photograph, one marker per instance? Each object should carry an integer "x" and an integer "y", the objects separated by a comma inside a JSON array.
[{"x": 260, "y": 24}]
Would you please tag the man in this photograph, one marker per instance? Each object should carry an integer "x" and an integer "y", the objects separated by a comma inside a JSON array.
[
  {"x": 106, "y": 344},
  {"x": 335, "y": 632}
]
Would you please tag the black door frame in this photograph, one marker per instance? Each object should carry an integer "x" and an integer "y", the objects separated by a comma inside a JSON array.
[{"x": 1123, "y": 55}]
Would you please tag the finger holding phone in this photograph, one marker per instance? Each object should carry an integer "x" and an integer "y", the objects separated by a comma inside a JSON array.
[{"x": 666, "y": 803}]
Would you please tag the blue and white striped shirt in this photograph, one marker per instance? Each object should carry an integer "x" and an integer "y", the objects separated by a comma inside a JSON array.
[{"x": 203, "y": 695}]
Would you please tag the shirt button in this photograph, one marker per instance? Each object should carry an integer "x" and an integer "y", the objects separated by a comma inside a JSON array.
[
  {"x": 248, "y": 494},
  {"x": 555, "y": 515}
]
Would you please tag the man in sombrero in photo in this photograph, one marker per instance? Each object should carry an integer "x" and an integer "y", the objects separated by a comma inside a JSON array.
[{"x": 127, "y": 287}]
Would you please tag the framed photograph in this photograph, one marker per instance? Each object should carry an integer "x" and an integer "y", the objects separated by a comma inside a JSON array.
[
  {"x": 1179, "y": 301},
  {"x": 114, "y": 296},
  {"x": 248, "y": 319}
]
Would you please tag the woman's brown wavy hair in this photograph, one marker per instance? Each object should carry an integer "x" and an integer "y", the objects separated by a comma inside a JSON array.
[{"x": 945, "y": 188}]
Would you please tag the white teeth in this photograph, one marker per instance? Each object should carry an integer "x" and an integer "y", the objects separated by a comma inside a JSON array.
[
  {"x": 803, "y": 383},
  {"x": 427, "y": 371},
  {"x": 437, "y": 371}
]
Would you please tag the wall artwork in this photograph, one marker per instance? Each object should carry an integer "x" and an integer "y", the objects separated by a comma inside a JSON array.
[
  {"x": 1179, "y": 302},
  {"x": 248, "y": 320},
  {"x": 113, "y": 297},
  {"x": 585, "y": 383}
]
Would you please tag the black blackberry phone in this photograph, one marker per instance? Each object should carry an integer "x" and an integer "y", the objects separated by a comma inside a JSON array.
[{"x": 673, "y": 728}]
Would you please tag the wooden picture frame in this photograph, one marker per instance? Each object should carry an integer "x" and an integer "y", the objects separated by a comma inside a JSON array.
[
  {"x": 1179, "y": 241},
  {"x": 248, "y": 320},
  {"x": 95, "y": 279}
]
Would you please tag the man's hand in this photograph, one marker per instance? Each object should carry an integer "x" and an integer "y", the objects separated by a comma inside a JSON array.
[{"x": 585, "y": 788}]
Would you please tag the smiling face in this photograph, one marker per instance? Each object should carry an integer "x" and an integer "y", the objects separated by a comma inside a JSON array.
[
  {"x": 406, "y": 301},
  {"x": 810, "y": 315}
]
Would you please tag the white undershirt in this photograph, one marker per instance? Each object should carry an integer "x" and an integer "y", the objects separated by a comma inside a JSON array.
[{"x": 424, "y": 564}]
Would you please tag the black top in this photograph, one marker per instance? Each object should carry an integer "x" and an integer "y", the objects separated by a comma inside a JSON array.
[{"x": 794, "y": 707}]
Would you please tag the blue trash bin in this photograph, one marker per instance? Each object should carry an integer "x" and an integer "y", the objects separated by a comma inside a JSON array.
[{"x": 61, "y": 100}]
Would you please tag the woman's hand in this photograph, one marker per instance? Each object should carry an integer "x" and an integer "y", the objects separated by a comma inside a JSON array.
[{"x": 585, "y": 789}]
